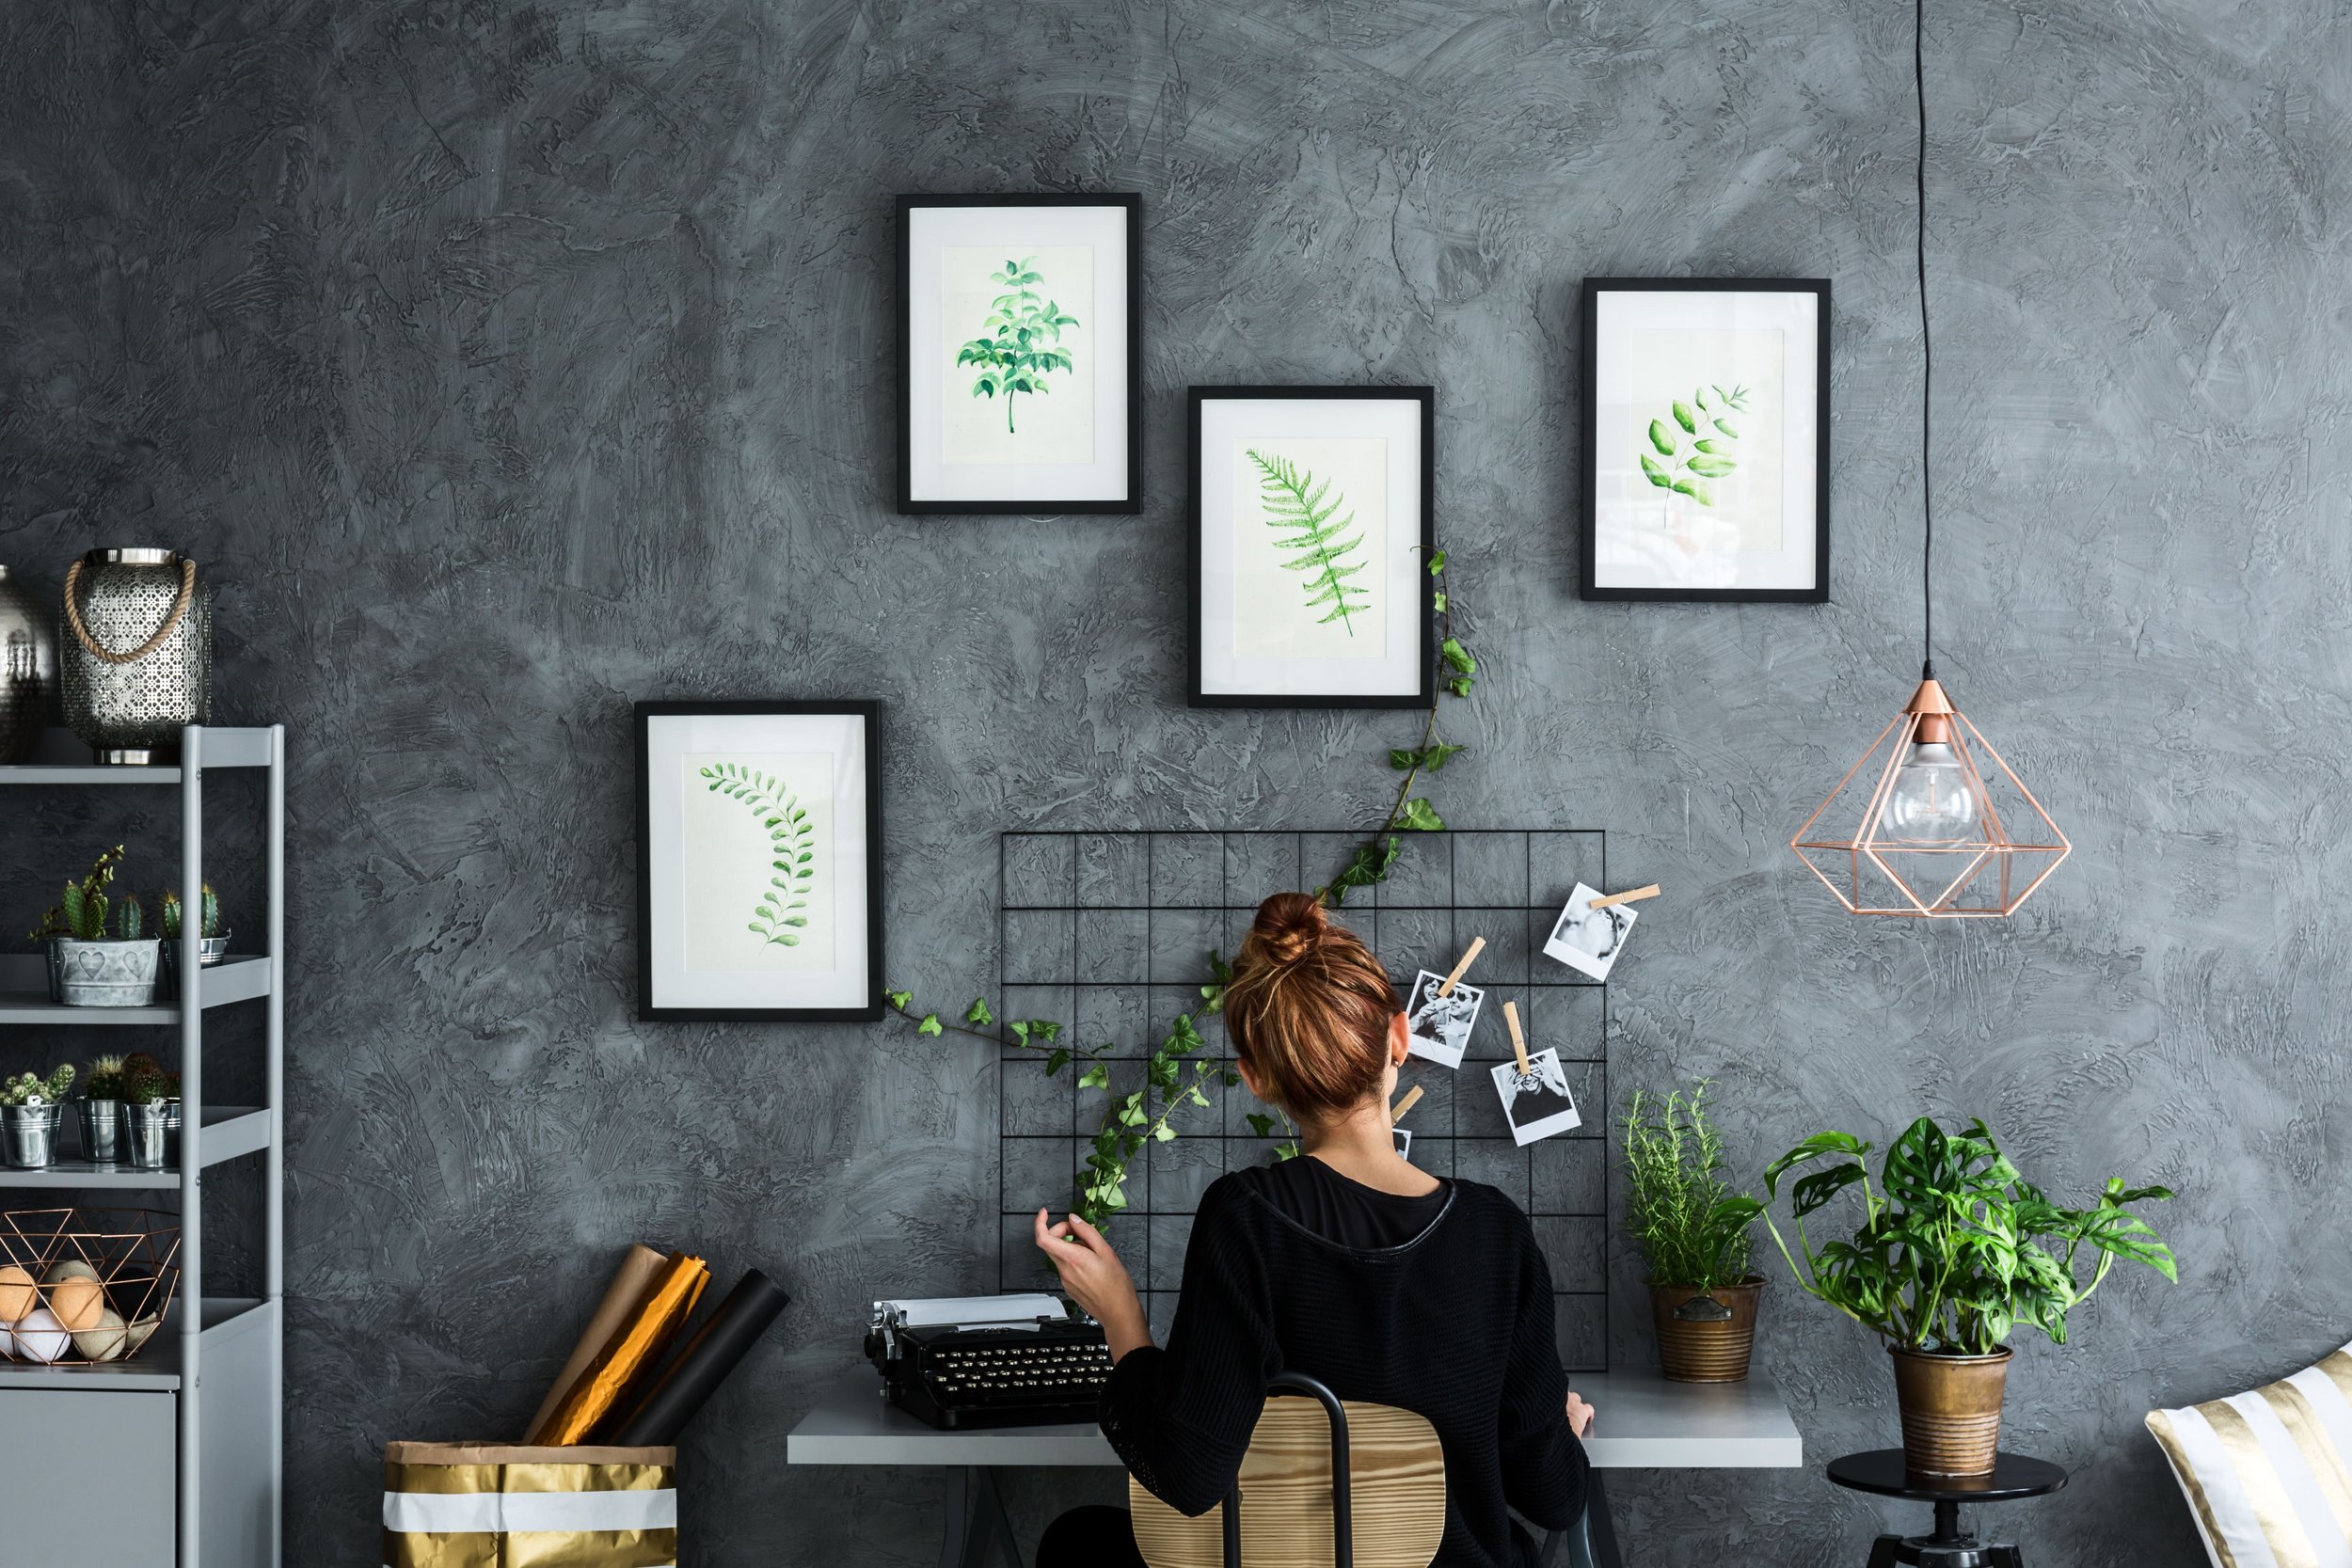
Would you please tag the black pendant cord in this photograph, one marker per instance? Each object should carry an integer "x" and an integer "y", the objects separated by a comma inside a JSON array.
[{"x": 1926, "y": 355}]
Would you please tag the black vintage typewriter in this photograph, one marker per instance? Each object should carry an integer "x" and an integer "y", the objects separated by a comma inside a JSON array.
[{"x": 988, "y": 1361}]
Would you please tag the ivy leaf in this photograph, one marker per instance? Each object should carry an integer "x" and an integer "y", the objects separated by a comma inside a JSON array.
[
  {"x": 1403, "y": 758},
  {"x": 1019, "y": 1031},
  {"x": 1420, "y": 815},
  {"x": 899, "y": 999},
  {"x": 1096, "y": 1077},
  {"x": 1437, "y": 755},
  {"x": 1439, "y": 604},
  {"x": 978, "y": 1013},
  {"x": 1460, "y": 686},
  {"x": 931, "y": 1025},
  {"x": 1163, "y": 1131},
  {"x": 1057, "y": 1061},
  {"x": 1459, "y": 656},
  {"x": 1436, "y": 562}
]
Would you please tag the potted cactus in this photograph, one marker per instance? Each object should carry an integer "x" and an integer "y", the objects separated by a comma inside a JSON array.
[
  {"x": 102, "y": 1111},
  {"x": 151, "y": 1098},
  {"x": 212, "y": 942},
  {"x": 87, "y": 967},
  {"x": 31, "y": 1106}
]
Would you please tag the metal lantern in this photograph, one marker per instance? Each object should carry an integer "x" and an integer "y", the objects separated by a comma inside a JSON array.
[
  {"x": 137, "y": 648},
  {"x": 28, "y": 669}
]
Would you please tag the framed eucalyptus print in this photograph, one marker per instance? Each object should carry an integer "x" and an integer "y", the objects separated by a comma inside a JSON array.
[
  {"x": 1020, "y": 354},
  {"x": 1705, "y": 440},
  {"x": 1311, "y": 532},
  {"x": 759, "y": 861}
]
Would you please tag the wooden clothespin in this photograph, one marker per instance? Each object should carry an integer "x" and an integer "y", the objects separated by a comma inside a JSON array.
[
  {"x": 1519, "y": 1040},
  {"x": 1405, "y": 1102},
  {"x": 1478, "y": 945},
  {"x": 1631, "y": 895}
]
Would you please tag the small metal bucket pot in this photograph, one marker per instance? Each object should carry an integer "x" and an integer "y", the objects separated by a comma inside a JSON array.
[
  {"x": 30, "y": 1134},
  {"x": 147, "y": 1134},
  {"x": 102, "y": 1125}
]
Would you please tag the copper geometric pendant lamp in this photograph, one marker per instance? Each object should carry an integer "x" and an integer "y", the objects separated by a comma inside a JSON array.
[{"x": 1939, "y": 834}]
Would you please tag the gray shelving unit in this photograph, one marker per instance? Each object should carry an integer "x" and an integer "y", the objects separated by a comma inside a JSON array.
[{"x": 173, "y": 1459}]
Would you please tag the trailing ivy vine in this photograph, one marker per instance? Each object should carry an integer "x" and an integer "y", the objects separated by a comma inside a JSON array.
[{"x": 1177, "y": 1078}]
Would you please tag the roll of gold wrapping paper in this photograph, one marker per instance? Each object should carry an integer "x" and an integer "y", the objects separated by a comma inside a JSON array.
[
  {"x": 631, "y": 1355},
  {"x": 639, "y": 1268}
]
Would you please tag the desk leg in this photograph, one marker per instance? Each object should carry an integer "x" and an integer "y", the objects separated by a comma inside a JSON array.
[
  {"x": 1598, "y": 1528},
  {"x": 992, "y": 1522},
  {"x": 955, "y": 1510}
]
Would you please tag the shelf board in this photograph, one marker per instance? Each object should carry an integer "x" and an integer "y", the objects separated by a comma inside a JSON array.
[
  {"x": 157, "y": 1364},
  {"x": 25, "y": 992},
  {"x": 60, "y": 759},
  {"x": 230, "y": 1131}
]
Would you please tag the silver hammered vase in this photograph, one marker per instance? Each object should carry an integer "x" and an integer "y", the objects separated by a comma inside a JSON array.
[
  {"x": 28, "y": 669},
  {"x": 30, "y": 1134},
  {"x": 102, "y": 1124},
  {"x": 135, "y": 653},
  {"x": 145, "y": 1133}
]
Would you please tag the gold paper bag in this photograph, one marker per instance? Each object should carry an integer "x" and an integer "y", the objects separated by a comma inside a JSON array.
[{"x": 460, "y": 1505}]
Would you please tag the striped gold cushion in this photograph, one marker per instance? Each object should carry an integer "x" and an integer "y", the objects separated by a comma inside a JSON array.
[{"x": 2268, "y": 1474}]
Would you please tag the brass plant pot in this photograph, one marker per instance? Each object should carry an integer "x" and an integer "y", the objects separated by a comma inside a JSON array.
[
  {"x": 1951, "y": 1410},
  {"x": 1705, "y": 1336}
]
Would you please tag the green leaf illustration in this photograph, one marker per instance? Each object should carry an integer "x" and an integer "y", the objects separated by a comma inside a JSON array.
[
  {"x": 1660, "y": 437},
  {"x": 791, "y": 850},
  {"x": 1314, "y": 535},
  {"x": 1021, "y": 342},
  {"x": 1711, "y": 467},
  {"x": 1708, "y": 457},
  {"x": 1684, "y": 417},
  {"x": 1658, "y": 476}
]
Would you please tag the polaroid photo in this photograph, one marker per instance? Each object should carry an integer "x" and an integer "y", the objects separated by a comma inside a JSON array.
[
  {"x": 1588, "y": 940},
  {"x": 1537, "y": 1102},
  {"x": 1403, "y": 1136},
  {"x": 1441, "y": 1024}
]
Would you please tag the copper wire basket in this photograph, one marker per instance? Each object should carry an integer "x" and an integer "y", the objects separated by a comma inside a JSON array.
[{"x": 131, "y": 1254}]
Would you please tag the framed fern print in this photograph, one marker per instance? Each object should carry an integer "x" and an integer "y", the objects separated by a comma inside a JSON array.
[
  {"x": 1310, "y": 523},
  {"x": 760, "y": 863},
  {"x": 1020, "y": 354},
  {"x": 1705, "y": 440}
]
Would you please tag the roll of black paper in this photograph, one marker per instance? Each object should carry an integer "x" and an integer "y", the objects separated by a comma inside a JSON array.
[{"x": 694, "y": 1374}]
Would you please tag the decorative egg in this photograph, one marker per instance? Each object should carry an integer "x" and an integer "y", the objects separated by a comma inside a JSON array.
[
  {"x": 17, "y": 1295},
  {"x": 66, "y": 1268},
  {"x": 141, "y": 1332},
  {"x": 39, "y": 1337},
  {"x": 106, "y": 1341},
  {"x": 77, "y": 1303}
]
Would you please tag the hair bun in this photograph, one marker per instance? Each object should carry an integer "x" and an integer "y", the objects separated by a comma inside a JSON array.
[{"x": 1290, "y": 925}]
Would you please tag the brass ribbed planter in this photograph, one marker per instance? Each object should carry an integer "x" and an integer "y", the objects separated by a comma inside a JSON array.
[
  {"x": 1705, "y": 1336},
  {"x": 1951, "y": 1410}
]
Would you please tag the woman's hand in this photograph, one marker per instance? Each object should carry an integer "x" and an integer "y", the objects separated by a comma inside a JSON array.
[
  {"x": 1096, "y": 1280},
  {"x": 1579, "y": 1416}
]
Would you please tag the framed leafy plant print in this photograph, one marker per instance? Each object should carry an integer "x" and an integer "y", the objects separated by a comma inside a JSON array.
[
  {"x": 1311, "y": 526},
  {"x": 1705, "y": 440},
  {"x": 1020, "y": 354},
  {"x": 759, "y": 861}
]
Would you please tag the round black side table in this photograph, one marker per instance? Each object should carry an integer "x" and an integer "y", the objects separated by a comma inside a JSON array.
[{"x": 1881, "y": 1472}]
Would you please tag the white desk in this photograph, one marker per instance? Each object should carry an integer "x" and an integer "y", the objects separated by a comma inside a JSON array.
[{"x": 1641, "y": 1423}]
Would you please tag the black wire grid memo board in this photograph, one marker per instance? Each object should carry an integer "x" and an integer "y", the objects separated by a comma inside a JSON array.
[{"x": 1109, "y": 934}]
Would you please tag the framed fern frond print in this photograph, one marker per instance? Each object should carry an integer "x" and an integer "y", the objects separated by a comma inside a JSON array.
[
  {"x": 1020, "y": 354},
  {"x": 1705, "y": 440},
  {"x": 759, "y": 861},
  {"x": 1312, "y": 533}
]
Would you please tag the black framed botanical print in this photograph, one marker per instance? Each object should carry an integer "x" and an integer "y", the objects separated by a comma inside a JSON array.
[
  {"x": 759, "y": 861},
  {"x": 1705, "y": 440},
  {"x": 1312, "y": 527},
  {"x": 1020, "y": 354}
]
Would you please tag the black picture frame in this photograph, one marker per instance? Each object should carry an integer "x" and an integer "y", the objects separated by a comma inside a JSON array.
[
  {"x": 1426, "y": 396},
  {"x": 1127, "y": 505},
  {"x": 870, "y": 713},
  {"x": 1589, "y": 443}
]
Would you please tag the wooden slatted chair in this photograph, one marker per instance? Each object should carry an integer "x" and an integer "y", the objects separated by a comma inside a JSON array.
[{"x": 1352, "y": 1484}]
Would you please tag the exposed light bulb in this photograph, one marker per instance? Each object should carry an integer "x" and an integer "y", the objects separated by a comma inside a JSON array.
[{"x": 1931, "y": 801}]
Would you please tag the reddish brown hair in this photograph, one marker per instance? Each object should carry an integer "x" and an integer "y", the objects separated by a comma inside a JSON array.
[{"x": 1308, "y": 1009}]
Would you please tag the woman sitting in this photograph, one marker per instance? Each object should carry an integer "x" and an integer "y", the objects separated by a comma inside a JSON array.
[{"x": 1392, "y": 1286}]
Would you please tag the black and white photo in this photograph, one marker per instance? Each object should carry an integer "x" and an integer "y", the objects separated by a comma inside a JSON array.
[
  {"x": 1588, "y": 940},
  {"x": 1537, "y": 1102},
  {"x": 1441, "y": 1024}
]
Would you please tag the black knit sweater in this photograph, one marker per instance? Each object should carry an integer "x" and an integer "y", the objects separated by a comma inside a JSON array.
[{"x": 1454, "y": 1325}]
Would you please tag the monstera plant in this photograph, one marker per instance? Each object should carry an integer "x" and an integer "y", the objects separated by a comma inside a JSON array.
[{"x": 1955, "y": 1251}]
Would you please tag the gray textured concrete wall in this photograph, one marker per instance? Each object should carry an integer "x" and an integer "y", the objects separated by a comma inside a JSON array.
[{"x": 506, "y": 362}]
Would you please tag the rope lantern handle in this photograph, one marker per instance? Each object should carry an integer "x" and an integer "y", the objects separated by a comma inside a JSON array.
[{"x": 90, "y": 644}]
